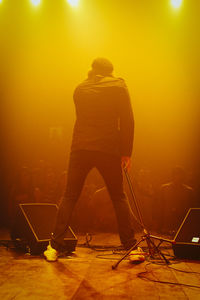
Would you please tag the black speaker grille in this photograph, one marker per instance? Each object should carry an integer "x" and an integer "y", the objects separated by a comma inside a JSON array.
[
  {"x": 189, "y": 231},
  {"x": 41, "y": 219}
]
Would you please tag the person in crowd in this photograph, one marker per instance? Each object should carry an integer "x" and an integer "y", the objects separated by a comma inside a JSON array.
[{"x": 174, "y": 200}]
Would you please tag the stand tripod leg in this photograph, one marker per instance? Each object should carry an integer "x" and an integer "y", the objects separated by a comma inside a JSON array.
[
  {"x": 165, "y": 259},
  {"x": 126, "y": 254},
  {"x": 147, "y": 237},
  {"x": 158, "y": 251},
  {"x": 151, "y": 251}
]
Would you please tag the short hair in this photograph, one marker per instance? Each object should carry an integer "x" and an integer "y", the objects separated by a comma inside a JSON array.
[{"x": 102, "y": 66}]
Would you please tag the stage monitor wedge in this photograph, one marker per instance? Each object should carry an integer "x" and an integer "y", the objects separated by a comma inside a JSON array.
[
  {"x": 33, "y": 226},
  {"x": 187, "y": 237}
]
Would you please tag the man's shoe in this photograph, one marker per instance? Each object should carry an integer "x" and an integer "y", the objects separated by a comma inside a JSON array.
[
  {"x": 51, "y": 254},
  {"x": 137, "y": 256}
]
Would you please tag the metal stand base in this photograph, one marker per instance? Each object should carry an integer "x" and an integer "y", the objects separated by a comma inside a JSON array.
[{"x": 153, "y": 249}]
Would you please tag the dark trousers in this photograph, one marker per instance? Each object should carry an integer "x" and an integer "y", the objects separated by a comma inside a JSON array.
[{"x": 109, "y": 166}]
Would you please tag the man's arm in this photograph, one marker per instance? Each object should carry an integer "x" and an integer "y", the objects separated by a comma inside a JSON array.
[{"x": 126, "y": 125}]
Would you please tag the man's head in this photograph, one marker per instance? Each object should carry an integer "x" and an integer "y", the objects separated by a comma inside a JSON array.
[{"x": 102, "y": 66}]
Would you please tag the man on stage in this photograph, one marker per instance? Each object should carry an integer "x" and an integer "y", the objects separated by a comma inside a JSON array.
[{"x": 102, "y": 138}]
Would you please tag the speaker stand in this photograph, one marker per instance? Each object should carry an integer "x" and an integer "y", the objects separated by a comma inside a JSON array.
[{"x": 153, "y": 249}]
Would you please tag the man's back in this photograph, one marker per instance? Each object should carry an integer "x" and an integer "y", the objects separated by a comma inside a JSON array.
[{"x": 104, "y": 114}]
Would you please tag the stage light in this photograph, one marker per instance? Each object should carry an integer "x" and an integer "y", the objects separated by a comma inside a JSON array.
[
  {"x": 73, "y": 2},
  {"x": 176, "y": 3},
  {"x": 35, "y": 2}
]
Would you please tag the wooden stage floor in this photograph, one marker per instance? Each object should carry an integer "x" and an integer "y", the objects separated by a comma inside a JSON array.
[{"x": 87, "y": 274}]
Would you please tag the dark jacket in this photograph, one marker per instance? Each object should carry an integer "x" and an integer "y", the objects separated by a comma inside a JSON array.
[{"x": 104, "y": 116}]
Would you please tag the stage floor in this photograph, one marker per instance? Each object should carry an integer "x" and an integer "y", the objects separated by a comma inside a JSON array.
[{"x": 88, "y": 274}]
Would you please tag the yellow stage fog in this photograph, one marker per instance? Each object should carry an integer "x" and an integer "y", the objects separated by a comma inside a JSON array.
[{"x": 47, "y": 48}]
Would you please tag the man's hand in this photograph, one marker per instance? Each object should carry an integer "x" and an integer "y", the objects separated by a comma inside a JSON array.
[{"x": 126, "y": 162}]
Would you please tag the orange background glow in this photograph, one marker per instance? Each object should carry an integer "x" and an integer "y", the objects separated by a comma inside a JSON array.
[{"x": 47, "y": 50}]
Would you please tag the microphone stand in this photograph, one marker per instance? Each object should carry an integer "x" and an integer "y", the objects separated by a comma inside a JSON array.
[{"x": 153, "y": 249}]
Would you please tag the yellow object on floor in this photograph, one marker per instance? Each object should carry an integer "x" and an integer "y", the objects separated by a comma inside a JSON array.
[{"x": 137, "y": 255}]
